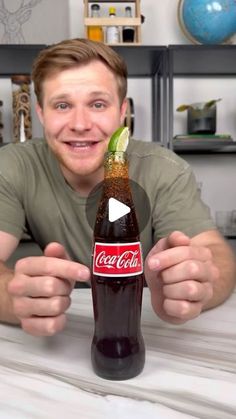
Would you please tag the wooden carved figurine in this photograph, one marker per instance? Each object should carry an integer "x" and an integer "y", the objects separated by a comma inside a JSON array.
[{"x": 22, "y": 123}]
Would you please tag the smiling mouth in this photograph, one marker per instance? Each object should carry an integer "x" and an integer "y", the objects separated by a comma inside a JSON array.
[{"x": 81, "y": 144}]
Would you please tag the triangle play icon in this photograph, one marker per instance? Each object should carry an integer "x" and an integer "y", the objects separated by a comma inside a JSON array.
[{"x": 116, "y": 209}]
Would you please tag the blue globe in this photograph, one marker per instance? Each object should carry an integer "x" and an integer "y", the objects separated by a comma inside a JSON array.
[{"x": 208, "y": 21}]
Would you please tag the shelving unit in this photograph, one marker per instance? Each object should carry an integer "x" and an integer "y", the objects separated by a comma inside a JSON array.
[
  {"x": 142, "y": 62},
  {"x": 116, "y": 21},
  {"x": 160, "y": 63},
  {"x": 198, "y": 61}
]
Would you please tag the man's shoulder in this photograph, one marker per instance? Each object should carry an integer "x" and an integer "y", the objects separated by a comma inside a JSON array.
[
  {"x": 20, "y": 161},
  {"x": 30, "y": 146},
  {"x": 23, "y": 153},
  {"x": 153, "y": 151}
]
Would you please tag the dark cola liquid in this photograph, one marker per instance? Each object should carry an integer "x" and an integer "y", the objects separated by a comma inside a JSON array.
[{"x": 118, "y": 351}]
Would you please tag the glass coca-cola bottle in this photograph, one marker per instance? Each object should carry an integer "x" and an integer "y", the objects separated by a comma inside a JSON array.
[{"x": 117, "y": 351}]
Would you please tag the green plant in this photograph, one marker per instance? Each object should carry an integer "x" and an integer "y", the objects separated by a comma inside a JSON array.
[{"x": 206, "y": 105}]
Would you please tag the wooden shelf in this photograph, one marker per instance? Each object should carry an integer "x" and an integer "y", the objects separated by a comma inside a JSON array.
[
  {"x": 120, "y": 21},
  {"x": 116, "y": 21},
  {"x": 112, "y": 1}
]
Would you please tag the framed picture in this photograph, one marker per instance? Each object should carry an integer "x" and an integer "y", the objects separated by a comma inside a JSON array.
[{"x": 33, "y": 21}]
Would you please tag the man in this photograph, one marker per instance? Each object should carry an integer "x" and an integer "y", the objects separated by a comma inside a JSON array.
[{"x": 81, "y": 92}]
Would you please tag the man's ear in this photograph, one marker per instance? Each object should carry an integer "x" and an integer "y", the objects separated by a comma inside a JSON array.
[
  {"x": 123, "y": 110},
  {"x": 39, "y": 112}
]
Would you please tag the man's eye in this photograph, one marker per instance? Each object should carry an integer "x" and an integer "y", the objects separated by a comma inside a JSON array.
[
  {"x": 98, "y": 105},
  {"x": 62, "y": 105}
]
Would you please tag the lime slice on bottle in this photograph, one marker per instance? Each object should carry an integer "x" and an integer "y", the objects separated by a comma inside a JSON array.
[{"x": 119, "y": 140}]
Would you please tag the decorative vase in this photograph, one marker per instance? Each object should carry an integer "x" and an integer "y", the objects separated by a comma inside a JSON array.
[{"x": 201, "y": 120}]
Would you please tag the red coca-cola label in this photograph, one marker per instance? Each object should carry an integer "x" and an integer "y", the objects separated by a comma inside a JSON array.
[{"x": 117, "y": 259}]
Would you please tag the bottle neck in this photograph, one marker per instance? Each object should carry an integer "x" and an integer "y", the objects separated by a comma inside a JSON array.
[
  {"x": 116, "y": 176},
  {"x": 128, "y": 12},
  {"x": 116, "y": 185},
  {"x": 95, "y": 13},
  {"x": 116, "y": 165},
  {"x": 112, "y": 12}
]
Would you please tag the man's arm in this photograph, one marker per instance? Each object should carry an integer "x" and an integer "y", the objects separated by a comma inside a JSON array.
[
  {"x": 7, "y": 247},
  {"x": 6, "y": 307},
  {"x": 186, "y": 276}
]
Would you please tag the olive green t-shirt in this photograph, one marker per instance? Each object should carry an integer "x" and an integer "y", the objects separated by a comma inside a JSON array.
[{"x": 35, "y": 197}]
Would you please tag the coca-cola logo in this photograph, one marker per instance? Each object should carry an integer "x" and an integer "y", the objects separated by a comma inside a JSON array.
[
  {"x": 127, "y": 259},
  {"x": 117, "y": 259}
]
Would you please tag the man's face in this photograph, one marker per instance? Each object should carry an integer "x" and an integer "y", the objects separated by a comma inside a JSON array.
[{"x": 80, "y": 111}]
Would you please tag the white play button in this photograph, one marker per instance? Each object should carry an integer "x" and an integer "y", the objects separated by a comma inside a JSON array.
[{"x": 116, "y": 209}]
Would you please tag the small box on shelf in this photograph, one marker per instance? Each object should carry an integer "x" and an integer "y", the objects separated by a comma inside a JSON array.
[{"x": 120, "y": 21}]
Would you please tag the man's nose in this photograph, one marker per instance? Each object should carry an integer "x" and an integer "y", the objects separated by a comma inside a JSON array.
[{"x": 80, "y": 119}]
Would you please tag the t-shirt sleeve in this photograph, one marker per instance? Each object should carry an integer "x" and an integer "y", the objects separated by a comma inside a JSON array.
[
  {"x": 178, "y": 206},
  {"x": 12, "y": 218}
]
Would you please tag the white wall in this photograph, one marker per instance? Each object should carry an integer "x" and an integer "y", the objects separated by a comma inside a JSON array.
[{"x": 218, "y": 173}]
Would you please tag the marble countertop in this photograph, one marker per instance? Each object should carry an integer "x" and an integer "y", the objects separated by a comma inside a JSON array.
[{"x": 189, "y": 371}]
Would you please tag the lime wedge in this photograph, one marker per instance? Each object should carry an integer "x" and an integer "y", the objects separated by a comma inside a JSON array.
[{"x": 119, "y": 140}]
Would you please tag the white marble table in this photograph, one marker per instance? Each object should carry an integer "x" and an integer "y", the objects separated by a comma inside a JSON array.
[{"x": 189, "y": 371}]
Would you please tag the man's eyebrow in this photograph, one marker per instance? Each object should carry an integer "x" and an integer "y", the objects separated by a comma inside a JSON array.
[
  {"x": 100, "y": 93},
  {"x": 62, "y": 96},
  {"x": 66, "y": 96}
]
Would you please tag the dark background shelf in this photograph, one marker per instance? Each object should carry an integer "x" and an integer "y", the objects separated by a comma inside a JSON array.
[
  {"x": 143, "y": 61},
  {"x": 202, "y": 60},
  {"x": 202, "y": 146},
  {"x": 17, "y": 59}
]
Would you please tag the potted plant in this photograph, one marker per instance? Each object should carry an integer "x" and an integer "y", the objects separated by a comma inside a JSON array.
[{"x": 201, "y": 117}]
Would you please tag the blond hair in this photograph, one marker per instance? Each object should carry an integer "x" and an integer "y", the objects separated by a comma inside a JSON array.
[{"x": 74, "y": 52}]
